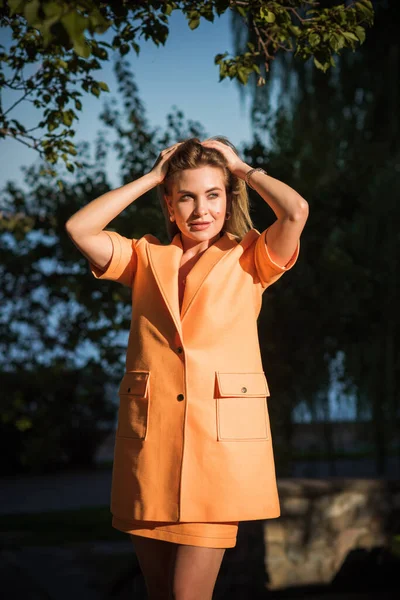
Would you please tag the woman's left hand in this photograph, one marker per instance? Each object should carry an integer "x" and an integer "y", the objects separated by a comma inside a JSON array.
[{"x": 237, "y": 166}]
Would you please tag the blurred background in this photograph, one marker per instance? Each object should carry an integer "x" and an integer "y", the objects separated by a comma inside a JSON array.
[{"x": 329, "y": 332}]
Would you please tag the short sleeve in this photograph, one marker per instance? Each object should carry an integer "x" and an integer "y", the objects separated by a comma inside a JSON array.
[
  {"x": 268, "y": 270},
  {"x": 122, "y": 266}
]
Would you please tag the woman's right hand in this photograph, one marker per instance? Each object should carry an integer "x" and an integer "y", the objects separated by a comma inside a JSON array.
[{"x": 160, "y": 167}]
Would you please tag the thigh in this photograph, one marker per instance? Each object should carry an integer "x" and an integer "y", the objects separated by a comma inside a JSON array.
[
  {"x": 156, "y": 559},
  {"x": 195, "y": 571}
]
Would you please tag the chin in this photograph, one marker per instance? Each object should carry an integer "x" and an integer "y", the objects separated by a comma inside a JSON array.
[{"x": 205, "y": 235}]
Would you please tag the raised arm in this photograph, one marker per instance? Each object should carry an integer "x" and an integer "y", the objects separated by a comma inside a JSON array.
[
  {"x": 85, "y": 227},
  {"x": 290, "y": 208}
]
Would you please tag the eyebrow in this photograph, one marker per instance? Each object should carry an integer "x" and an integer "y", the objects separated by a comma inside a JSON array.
[{"x": 189, "y": 192}]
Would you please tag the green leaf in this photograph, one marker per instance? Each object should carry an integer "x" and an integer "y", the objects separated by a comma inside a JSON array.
[
  {"x": 194, "y": 22},
  {"x": 321, "y": 66},
  {"x": 97, "y": 23},
  {"x": 270, "y": 17},
  {"x": 23, "y": 423},
  {"x": 60, "y": 185},
  {"x": 31, "y": 11},
  {"x": 221, "y": 6},
  {"x": 82, "y": 48},
  {"x": 95, "y": 90},
  {"x": 360, "y": 33},
  {"x": 366, "y": 7},
  {"x": 295, "y": 30},
  {"x": 242, "y": 75},
  {"x": 68, "y": 117},
  {"x": 103, "y": 86},
  {"x": 136, "y": 48},
  {"x": 15, "y": 6},
  {"x": 52, "y": 9},
  {"x": 337, "y": 42},
  {"x": 314, "y": 39},
  {"x": 219, "y": 57},
  {"x": 350, "y": 36}
]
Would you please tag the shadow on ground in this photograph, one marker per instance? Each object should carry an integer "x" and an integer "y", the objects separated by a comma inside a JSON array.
[{"x": 105, "y": 570}]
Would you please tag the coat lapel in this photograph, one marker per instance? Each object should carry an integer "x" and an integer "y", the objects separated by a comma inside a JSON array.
[
  {"x": 165, "y": 263},
  {"x": 200, "y": 270}
]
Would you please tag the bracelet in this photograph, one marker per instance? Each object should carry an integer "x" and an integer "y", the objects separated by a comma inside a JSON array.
[{"x": 249, "y": 173}]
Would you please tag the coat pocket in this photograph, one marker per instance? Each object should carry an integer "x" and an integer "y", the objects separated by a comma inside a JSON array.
[
  {"x": 134, "y": 402},
  {"x": 241, "y": 406}
]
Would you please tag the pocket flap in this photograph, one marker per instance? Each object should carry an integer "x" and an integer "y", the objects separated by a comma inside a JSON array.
[
  {"x": 242, "y": 384},
  {"x": 135, "y": 382}
]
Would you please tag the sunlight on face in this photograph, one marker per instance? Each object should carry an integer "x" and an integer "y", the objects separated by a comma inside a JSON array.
[{"x": 199, "y": 195}]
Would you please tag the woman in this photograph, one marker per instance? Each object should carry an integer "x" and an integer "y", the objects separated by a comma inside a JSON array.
[{"x": 193, "y": 450}]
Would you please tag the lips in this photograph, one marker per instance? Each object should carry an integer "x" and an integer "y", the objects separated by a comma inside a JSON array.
[{"x": 200, "y": 225}]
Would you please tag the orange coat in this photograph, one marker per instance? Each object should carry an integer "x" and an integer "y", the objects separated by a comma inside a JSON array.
[{"x": 194, "y": 441}]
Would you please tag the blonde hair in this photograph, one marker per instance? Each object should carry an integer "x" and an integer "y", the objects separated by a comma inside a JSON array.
[{"x": 192, "y": 155}]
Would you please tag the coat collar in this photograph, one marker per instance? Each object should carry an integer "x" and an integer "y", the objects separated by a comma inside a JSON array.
[{"x": 165, "y": 262}]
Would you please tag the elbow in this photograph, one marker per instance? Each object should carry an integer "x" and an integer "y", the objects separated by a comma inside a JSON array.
[
  {"x": 67, "y": 226},
  {"x": 300, "y": 212}
]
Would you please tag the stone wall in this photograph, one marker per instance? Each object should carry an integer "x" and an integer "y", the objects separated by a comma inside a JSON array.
[{"x": 321, "y": 523}]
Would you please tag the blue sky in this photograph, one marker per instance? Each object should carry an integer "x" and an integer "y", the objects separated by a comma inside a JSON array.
[{"x": 181, "y": 73}]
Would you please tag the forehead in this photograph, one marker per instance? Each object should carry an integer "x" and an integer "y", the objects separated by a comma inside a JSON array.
[{"x": 199, "y": 180}]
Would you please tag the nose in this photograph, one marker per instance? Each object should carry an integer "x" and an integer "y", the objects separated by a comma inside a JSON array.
[{"x": 200, "y": 208}]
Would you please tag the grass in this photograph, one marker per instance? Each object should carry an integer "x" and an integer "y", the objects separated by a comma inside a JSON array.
[{"x": 60, "y": 527}]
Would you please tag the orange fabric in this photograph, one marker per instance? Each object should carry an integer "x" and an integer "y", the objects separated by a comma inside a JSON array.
[
  {"x": 209, "y": 535},
  {"x": 193, "y": 442}
]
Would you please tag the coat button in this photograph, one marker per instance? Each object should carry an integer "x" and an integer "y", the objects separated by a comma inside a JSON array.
[
  {"x": 180, "y": 397},
  {"x": 179, "y": 349},
  {"x": 244, "y": 390}
]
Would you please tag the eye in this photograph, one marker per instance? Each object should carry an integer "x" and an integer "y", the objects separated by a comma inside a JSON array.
[{"x": 214, "y": 194}]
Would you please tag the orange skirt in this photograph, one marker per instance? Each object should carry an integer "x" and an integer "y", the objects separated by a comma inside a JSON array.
[{"x": 208, "y": 535}]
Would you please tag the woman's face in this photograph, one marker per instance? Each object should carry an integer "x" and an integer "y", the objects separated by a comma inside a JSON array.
[{"x": 198, "y": 196}]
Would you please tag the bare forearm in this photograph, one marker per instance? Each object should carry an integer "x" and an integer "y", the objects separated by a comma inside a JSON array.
[
  {"x": 95, "y": 216},
  {"x": 283, "y": 200}
]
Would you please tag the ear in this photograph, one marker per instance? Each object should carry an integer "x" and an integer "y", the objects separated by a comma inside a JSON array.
[
  {"x": 167, "y": 200},
  {"x": 228, "y": 201},
  {"x": 168, "y": 203}
]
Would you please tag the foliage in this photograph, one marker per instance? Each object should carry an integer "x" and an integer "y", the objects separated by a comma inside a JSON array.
[
  {"x": 63, "y": 336},
  {"x": 53, "y": 416},
  {"x": 57, "y": 45},
  {"x": 334, "y": 138}
]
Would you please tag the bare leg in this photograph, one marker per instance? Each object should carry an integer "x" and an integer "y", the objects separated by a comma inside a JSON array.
[
  {"x": 156, "y": 559},
  {"x": 195, "y": 572}
]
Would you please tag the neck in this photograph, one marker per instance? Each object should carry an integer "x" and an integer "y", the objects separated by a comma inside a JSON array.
[{"x": 194, "y": 248}]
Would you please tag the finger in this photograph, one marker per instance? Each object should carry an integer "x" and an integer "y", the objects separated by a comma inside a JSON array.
[
  {"x": 173, "y": 147},
  {"x": 210, "y": 143}
]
